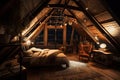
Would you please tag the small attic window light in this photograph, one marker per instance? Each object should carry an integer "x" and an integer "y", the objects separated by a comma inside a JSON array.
[
  {"x": 86, "y": 8},
  {"x": 96, "y": 37},
  {"x": 65, "y": 24},
  {"x": 98, "y": 42},
  {"x": 28, "y": 42}
]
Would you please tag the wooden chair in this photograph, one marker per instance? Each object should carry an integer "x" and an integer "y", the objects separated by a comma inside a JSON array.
[{"x": 84, "y": 52}]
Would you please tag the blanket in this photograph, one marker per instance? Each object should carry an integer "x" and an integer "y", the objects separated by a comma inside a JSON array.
[{"x": 44, "y": 57}]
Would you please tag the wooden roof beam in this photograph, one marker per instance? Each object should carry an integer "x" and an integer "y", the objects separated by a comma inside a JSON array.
[
  {"x": 63, "y": 6},
  {"x": 83, "y": 26},
  {"x": 86, "y": 11},
  {"x": 34, "y": 12}
]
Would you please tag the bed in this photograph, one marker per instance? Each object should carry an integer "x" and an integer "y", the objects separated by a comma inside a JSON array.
[{"x": 35, "y": 57}]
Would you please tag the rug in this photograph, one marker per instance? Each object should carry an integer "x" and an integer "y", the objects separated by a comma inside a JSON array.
[{"x": 76, "y": 71}]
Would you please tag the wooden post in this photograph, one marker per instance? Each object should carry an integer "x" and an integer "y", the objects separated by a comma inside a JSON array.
[
  {"x": 45, "y": 35},
  {"x": 64, "y": 35}
]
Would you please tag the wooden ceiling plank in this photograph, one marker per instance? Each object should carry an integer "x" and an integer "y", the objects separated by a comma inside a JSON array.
[{"x": 112, "y": 41}]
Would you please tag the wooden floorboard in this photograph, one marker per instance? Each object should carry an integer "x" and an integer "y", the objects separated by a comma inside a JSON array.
[{"x": 107, "y": 73}]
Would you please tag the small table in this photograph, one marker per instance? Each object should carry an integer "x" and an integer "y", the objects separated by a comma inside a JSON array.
[
  {"x": 100, "y": 51},
  {"x": 103, "y": 57}
]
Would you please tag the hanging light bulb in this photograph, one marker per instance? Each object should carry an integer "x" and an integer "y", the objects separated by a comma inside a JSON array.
[
  {"x": 65, "y": 24},
  {"x": 70, "y": 22},
  {"x": 61, "y": 26}
]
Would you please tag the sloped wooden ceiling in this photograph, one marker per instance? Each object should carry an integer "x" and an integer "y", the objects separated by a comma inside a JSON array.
[{"x": 91, "y": 16}]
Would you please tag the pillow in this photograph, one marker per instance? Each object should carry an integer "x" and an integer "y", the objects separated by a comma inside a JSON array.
[
  {"x": 35, "y": 49},
  {"x": 27, "y": 53},
  {"x": 36, "y": 54}
]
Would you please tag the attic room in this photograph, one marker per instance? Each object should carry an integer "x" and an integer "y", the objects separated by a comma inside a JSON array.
[{"x": 59, "y": 40}]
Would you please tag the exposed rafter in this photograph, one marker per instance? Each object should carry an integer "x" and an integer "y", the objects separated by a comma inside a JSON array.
[
  {"x": 98, "y": 25},
  {"x": 34, "y": 12},
  {"x": 63, "y": 6},
  {"x": 83, "y": 26}
]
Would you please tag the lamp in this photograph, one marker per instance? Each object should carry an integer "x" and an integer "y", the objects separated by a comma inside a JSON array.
[{"x": 103, "y": 46}]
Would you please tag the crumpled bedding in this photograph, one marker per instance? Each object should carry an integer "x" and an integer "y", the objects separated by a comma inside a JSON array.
[{"x": 44, "y": 57}]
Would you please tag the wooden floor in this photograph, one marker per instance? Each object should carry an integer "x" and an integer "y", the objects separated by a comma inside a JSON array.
[{"x": 108, "y": 73}]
